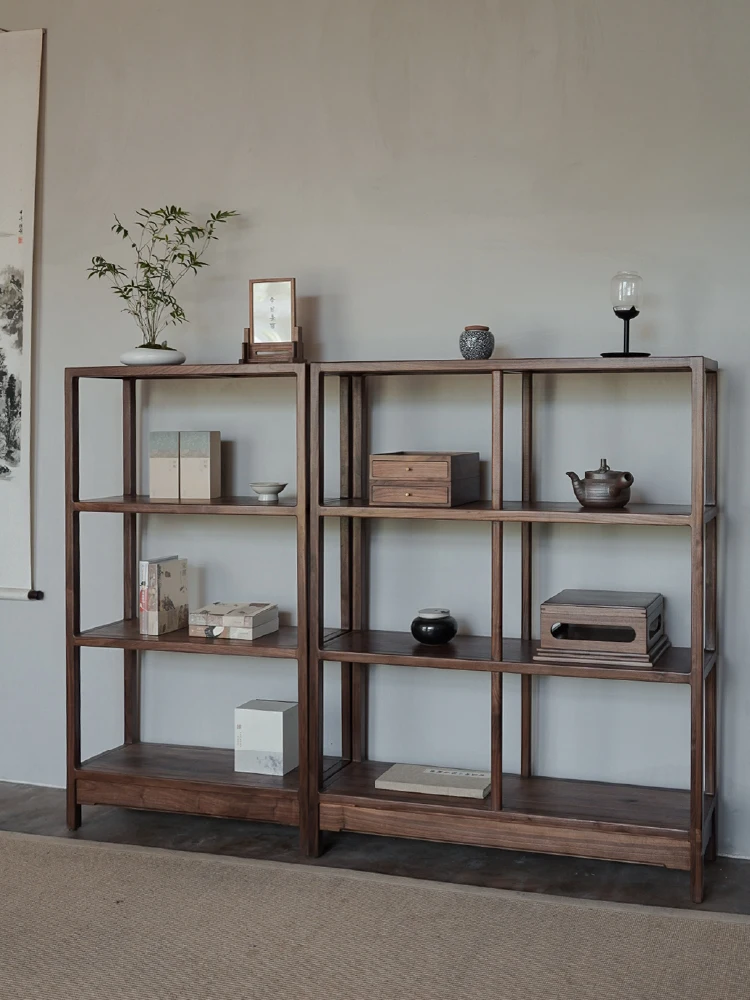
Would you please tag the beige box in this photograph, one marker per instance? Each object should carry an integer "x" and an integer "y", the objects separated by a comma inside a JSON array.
[
  {"x": 164, "y": 465},
  {"x": 200, "y": 465}
]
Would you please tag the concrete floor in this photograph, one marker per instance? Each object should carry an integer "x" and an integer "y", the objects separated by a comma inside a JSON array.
[{"x": 29, "y": 809}]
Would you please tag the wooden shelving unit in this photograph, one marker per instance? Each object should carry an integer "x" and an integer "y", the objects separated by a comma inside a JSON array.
[
  {"x": 153, "y": 776},
  {"x": 671, "y": 827}
]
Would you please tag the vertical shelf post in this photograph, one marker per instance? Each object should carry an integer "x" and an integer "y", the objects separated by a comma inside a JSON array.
[
  {"x": 353, "y": 438},
  {"x": 131, "y": 665},
  {"x": 360, "y": 567},
  {"x": 711, "y": 639},
  {"x": 697, "y": 612},
  {"x": 527, "y": 465},
  {"x": 496, "y": 713},
  {"x": 302, "y": 524},
  {"x": 313, "y": 707},
  {"x": 72, "y": 599},
  {"x": 346, "y": 529}
]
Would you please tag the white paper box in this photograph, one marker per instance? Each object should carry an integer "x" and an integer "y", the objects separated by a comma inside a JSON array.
[
  {"x": 164, "y": 465},
  {"x": 200, "y": 465},
  {"x": 266, "y": 737}
]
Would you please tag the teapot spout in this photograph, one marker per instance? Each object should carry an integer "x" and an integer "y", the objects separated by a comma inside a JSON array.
[
  {"x": 625, "y": 481},
  {"x": 577, "y": 486}
]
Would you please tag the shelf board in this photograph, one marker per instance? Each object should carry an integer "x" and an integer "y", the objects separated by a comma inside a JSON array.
[
  {"x": 219, "y": 505},
  {"x": 512, "y": 510},
  {"x": 553, "y": 798},
  {"x": 153, "y": 372},
  {"x": 457, "y": 366},
  {"x": 181, "y": 765},
  {"x": 184, "y": 779},
  {"x": 552, "y": 815},
  {"x": 473, "y": 652},
  {"x": 125, "y": 634}
]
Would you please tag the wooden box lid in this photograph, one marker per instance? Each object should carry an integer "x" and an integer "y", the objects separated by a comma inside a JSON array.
[{"x": 637, "y": 601}]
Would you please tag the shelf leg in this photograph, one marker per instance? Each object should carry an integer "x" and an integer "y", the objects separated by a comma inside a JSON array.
[
  {"x": 711, "y": 788},
  {"x": 496, "y": 610},
  {"x": 131, "y": 658},
  {"x": 346, "y": 539},
  {"x": 360, "y": 445},
  {"x": 697, "y": 636},
  {"x": 311, "y": 691},
  {"x": 527, "y": 492},
  {"x": 72, "y": 600},
  {"x": 496, "y": 713},
  {"x": 73, "y": 712},
  {"x": 496, "y": 766},
  {"x": 354, "y": 451},
  {"x": 310, "y": 833},
  {"x": 711, "y": 625}
]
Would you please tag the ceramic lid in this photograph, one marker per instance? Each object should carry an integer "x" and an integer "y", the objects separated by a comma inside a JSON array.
[{"x": 434, "y": 613}]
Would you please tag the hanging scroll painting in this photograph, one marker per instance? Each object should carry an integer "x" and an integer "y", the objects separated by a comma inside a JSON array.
[{"x": 20, "y": 73}]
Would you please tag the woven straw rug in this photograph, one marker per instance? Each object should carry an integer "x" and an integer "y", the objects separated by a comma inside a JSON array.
[{"x": 84, "y": 921}]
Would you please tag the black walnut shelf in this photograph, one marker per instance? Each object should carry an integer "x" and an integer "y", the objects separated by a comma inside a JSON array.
[
  {"x": 150, "y": 776},
  {"x": 676, "y": 828}
]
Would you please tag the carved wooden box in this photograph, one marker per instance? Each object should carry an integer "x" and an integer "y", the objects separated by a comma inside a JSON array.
[
  {"x": 609, "y": 627},
  {"x": 424, "y": 479}
]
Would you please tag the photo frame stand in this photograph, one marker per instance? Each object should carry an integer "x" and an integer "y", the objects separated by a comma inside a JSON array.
[
  {"x": 271, "y": 352},
  {"x": 273, "y": 335}
]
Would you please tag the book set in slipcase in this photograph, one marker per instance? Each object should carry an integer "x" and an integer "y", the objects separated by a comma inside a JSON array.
[
  {"x": 234, "y": 621},
  {"x": 163, "y": 595},
  {"x": 184, "y": 465}
]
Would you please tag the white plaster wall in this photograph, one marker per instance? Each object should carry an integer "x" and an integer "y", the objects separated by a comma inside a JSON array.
[{"x": 418, "y": 165}]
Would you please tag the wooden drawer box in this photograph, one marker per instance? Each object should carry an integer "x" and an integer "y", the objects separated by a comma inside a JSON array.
[
  {"x": 424, "y": 479},
  {"x": 603, "y": 626}
]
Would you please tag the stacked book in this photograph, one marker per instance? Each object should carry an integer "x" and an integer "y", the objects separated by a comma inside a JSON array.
[
  {"x": 163, "y": 595},
  {"x": 234, "y": 621},
  {"x": 431, "y": 780}
]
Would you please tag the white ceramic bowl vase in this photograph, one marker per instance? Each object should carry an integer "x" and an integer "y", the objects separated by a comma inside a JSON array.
[{"x": 152, "y": 356}]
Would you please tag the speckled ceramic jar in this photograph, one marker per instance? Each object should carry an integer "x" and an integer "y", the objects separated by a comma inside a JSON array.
[
  {"x": 434, "y": 626},
  {"x": 476, "y": 343}
]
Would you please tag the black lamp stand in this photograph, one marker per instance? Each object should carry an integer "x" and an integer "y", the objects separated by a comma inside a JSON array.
[{"x": 626, "y": 315}]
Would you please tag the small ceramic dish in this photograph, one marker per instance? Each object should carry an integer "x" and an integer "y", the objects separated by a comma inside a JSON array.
[{"x": 268, "y": 492}]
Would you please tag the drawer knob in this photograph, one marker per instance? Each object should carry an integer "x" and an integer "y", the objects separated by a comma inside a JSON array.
[
  {"x": 408, "y": 468},
  {"x": 407, "y": 494}
]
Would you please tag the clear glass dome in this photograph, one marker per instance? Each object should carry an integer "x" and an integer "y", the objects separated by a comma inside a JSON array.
[{"x": 626, "y": 290}]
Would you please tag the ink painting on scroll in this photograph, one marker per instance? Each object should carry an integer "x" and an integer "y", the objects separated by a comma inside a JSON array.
[{"x": 20, "y": 72}]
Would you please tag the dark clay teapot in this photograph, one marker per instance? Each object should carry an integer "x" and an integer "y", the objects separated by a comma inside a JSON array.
[{"x": 602, "y": 487}]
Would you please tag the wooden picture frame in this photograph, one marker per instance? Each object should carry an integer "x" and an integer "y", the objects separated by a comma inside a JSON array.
[{"x": 273, "y": 334}]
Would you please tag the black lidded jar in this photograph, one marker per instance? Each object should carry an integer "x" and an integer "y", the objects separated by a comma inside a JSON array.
[{"x": 434, "y": 626}]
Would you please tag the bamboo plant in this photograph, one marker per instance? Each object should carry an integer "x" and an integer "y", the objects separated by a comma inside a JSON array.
[{"x": 167, "y": 246}]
